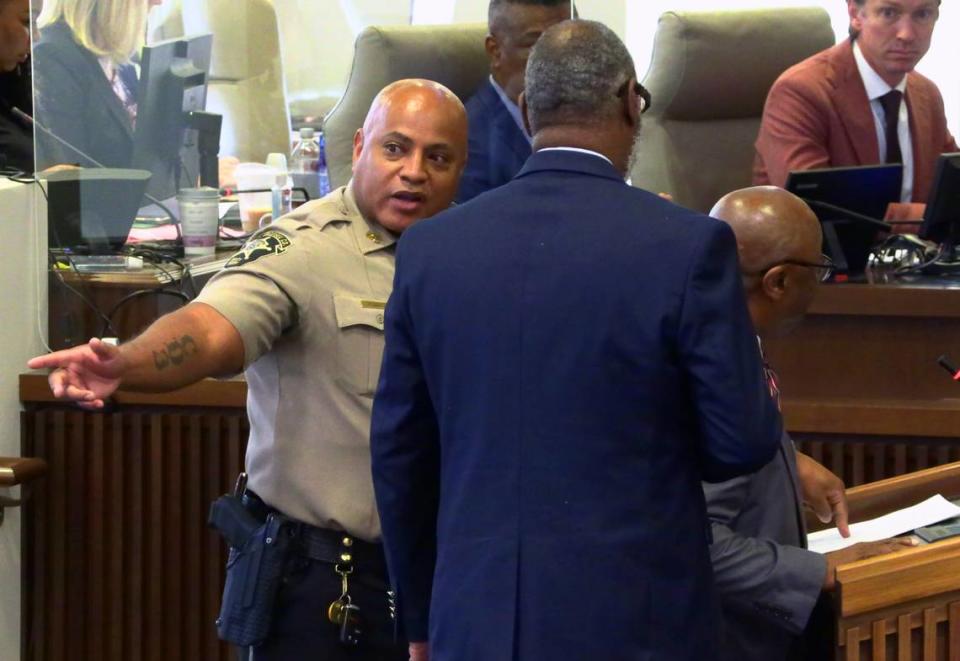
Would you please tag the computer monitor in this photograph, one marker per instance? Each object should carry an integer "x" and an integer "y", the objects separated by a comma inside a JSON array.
[
  {"x": 850, "y": 203},
  {"x": 173, "y": 86},
  {"x": 941, "y": 219}
]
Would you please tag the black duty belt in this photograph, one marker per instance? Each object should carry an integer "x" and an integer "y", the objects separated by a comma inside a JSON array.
[{"x": 324, "y": 544}]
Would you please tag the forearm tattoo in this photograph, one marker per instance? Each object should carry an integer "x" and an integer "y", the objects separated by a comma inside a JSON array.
[{"x": 174, "y": 353}]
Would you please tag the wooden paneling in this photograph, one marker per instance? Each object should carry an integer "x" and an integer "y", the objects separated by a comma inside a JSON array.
[
  {"x": 872, "y": 342},
  {"x": 862, "y": 459},
  {"x": 862, "y": 390},
  {"x": 118, "y": 562}
]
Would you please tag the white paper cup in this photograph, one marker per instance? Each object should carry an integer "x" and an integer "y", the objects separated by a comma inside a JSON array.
[
  {"x": 199, "y": 220},
  {"x": 252, "y": 176}
]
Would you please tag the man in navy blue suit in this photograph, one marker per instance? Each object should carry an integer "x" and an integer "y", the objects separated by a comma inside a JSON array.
[
  {"x": 499, "y": 144},
  {"x": 566, "y": 358}
]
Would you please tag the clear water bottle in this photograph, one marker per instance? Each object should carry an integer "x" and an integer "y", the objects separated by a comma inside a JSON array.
[
  {"x": 322, "y": 173},
  {"x": 308, "y": 164}
]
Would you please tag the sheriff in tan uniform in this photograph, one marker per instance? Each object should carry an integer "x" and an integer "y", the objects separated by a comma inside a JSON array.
[
  {"x": 300, "y": 309},
  {"x": 307, "y": 297}
]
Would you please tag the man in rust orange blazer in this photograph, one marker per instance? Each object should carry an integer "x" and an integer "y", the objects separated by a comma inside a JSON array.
[{"x": 829, "y": 110}]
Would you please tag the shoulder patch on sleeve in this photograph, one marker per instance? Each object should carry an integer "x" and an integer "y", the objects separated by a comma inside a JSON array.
[{"x": 268, "y": 242}]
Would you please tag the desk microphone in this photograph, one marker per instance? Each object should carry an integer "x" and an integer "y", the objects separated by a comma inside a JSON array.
[
  {"x": 847, "y": 213},
  {"x": 33, "y": 122},
  {"x": 945, "y": 363}
]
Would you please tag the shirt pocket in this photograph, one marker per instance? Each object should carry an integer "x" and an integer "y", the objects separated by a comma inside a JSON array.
[{"x": 359, "y": 342}]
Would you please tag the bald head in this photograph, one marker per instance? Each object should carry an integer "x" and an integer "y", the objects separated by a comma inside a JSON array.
[
  {"x": 778, "y": 241},
  {"x": 419, "y": 94},
  {"x": 770, "y": 224},
  {"x": 409, "y": 154}
]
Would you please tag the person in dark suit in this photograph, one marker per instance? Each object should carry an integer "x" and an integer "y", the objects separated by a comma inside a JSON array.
[
  {"x": 829, "y": 110},
  {"x": 566, "y": 358},
  {"x": 86, "y": 86},
  {"x": 769, "y": 583},
  {"x": 16, "y": 136},
  {"x": 499, "y": 144}
]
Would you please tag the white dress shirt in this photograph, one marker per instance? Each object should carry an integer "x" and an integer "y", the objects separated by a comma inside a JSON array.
[{"x": 877, "y": 87}]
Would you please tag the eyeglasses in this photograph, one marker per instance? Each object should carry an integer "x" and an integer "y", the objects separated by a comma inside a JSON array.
[
  {"x": 822, "y": 270},
  {"x": 641, "y": 91}
]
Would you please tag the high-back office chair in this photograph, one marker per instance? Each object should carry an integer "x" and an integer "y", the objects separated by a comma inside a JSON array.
[
  {"x": 449, "y": 54},
  {"x": 246, "y": 83},
  {"x": 709, "y": 77}
]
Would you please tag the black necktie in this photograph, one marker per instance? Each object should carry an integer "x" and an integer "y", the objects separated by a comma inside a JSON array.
[{"x": 891, "y": 116}]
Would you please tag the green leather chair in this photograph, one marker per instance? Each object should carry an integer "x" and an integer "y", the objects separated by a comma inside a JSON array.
[{"x": 709, "y": 77}]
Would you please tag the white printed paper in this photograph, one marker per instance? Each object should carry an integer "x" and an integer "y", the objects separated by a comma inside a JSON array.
[{"x": 930, "y": 511}]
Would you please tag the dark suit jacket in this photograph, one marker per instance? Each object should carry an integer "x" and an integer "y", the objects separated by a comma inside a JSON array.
[
  {"x": 497, "y": 146},
  {"x": 767, "y": 580},
  {"x": 566, "y": 358},
  {"x": 76, "y": 102},
  {"x": 16, "y": 135},
  {"x": 817, "y": 115}
]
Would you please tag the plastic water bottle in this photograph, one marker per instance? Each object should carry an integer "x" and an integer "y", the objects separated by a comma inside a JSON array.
[
  {"x": 322, "y": 174},
  {"x": 308, "y": 164}
]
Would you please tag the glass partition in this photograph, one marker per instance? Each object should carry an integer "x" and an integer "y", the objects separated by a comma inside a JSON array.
[{"x": 163, "y": 86}]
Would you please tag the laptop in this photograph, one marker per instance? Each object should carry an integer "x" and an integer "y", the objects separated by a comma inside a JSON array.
[
  {"x": 91, "y": 210},
  {"x": 850, "y": 203}
]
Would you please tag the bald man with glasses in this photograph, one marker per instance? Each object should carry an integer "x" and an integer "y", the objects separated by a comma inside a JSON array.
[{"x": 768, "y": 581}]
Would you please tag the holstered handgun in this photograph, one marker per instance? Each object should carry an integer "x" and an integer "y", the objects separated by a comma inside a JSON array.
[
  {"x": 259, "y": 551},
  {"x": 232, "y": 520}
]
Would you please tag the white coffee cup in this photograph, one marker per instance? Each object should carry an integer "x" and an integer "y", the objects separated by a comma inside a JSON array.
[
  {"x": 253, "y": 206},
  {"x": 199, "y": 220}
]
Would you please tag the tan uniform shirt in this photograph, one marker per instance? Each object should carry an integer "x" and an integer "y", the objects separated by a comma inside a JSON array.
[{"x": 307, "y": 297}]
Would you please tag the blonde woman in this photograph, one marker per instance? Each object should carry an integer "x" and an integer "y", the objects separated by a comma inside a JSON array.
[{"x": 86, "y": 85}]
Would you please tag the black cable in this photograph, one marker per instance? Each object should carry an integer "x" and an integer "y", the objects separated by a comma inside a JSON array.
[
  {"x": 107, "y": 325},
  {"x": 173, "y": 219},
  {"x": 186, "y": 276},
  {"x": 137, "y": 294}
]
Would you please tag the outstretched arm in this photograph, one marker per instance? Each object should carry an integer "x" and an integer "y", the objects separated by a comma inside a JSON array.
[{"x": 176, "y": 350}]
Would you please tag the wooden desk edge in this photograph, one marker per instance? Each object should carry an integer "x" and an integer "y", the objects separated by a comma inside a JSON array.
[
  {"x": 868, "y": 417},
  {"x": 927, "y": 299},
  {"x": 207, "y": 393},
  {"x": 904, "y": 576}
]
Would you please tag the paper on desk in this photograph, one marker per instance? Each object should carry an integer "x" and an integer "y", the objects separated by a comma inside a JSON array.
[{"x": 928, "y": 512}]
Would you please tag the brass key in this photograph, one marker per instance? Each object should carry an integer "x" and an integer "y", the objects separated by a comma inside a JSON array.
[{"x": 337, "y": 608}]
